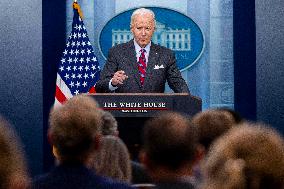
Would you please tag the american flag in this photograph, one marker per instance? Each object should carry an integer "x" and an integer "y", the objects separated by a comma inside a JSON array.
[{"x": 78, "y": 69}]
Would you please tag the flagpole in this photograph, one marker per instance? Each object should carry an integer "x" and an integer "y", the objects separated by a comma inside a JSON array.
[{"x": 76, "y": 6}]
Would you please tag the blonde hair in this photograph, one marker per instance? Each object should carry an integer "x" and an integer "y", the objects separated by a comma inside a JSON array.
[
  {"x": 250, "y": 156},
  {"x": 112, "y": 159}
]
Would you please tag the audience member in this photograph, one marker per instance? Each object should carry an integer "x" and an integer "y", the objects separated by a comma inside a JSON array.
[
  {"x": 210, "y": 125},
  {"x": 13, "y": 169},
  {"x": 237, "y": 117},
  {"x": 112, "y": 159},
  {"x": 250, "y": 156},
  {"x": 109, "y": 126},
  {"x": 169, "y": 151},
  {"x": 74, "y": 132}
]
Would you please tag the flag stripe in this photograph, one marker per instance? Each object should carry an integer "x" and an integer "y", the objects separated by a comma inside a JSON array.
[
  {"x": 92, "y": 90},
  {"x": 57, "y": 103},
  {"x": 64, "y": 88},
  {"x": 59, "y": 95}
]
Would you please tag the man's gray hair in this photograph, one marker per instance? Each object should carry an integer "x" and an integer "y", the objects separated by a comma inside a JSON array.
[{"x": 142, "y": 11}]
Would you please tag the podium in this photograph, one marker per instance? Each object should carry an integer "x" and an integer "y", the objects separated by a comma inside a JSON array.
[
  {"x": 131, "y": 110},
  {"x": 147, "y": 104}
]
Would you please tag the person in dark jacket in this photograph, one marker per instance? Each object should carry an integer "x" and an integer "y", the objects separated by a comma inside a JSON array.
[
  {"x": 74, "y": 132},
  {"x": 139, "y": 65},
  {"x": 169, "y": 151}
]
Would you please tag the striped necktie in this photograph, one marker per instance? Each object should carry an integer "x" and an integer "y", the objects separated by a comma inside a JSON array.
[{"x": 142, "y": 66}]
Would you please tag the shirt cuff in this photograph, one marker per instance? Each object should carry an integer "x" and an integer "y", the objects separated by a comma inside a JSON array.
[{"x": 111, "y": 87}]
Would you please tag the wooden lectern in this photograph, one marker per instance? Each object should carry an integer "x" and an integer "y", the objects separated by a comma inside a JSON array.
[{"x": 133, "y": 109}]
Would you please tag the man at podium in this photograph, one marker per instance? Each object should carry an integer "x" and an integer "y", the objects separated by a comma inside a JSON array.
[{"x": 140, "y": 66}]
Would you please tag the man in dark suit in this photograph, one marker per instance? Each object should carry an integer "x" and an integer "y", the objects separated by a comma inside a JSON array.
[
  {"x": 169, "y": 151},
  {"x": 140, "y": 66},
  {"x": 74, "y": 133}
]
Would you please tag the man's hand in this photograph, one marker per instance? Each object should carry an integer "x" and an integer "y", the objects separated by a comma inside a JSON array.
[{"x": 118, "y": 78}]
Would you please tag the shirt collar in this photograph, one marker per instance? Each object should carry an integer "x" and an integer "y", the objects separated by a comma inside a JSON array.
[{"x": 138, "y": 48}]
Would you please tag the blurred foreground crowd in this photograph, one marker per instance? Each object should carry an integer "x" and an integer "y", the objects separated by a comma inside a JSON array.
[{"x": 215, "y": 149}]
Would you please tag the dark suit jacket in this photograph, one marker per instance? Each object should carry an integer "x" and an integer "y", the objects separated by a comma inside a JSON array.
[
  {"x": 122, "y": 57},
  {"x": 74, "y": 177}
]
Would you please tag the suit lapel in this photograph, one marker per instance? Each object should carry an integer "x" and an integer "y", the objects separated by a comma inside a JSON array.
[
  {"x": 152, "y": 60},
  {"x": 131, "y": 60}
]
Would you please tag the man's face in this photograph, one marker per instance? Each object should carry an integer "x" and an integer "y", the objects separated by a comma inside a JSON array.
[{"x": 143, "y": 28}]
